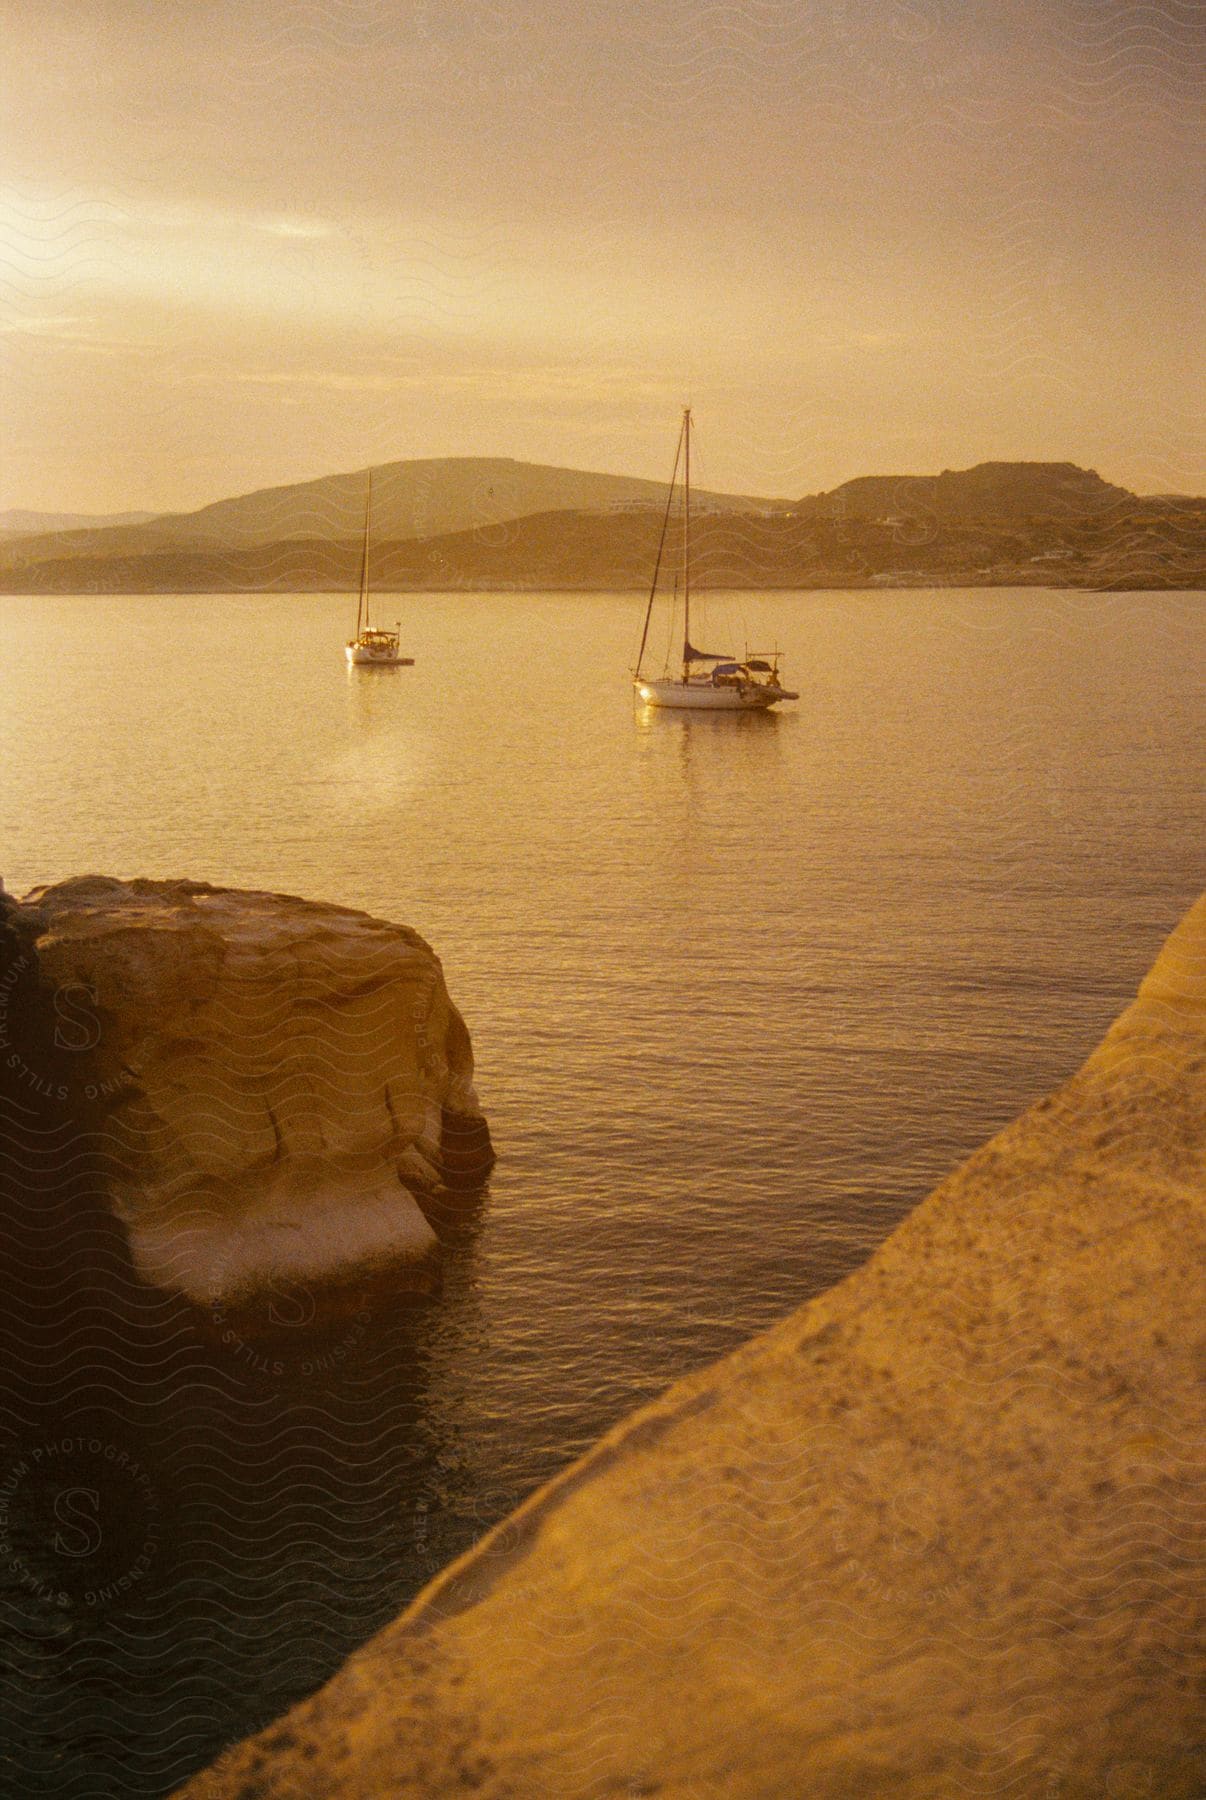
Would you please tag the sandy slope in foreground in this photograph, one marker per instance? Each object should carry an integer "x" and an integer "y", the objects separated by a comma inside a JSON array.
[{"x": 931, "y": 1536}]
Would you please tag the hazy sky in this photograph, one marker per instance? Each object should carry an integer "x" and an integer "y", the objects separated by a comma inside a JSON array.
[{"x": 253, "y": 241}]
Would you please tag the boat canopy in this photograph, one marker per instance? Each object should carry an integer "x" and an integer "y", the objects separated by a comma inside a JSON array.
[
  {"x": 762, "y": 668},
  {"x": 690, "y": 654},
  {"x": 727, "y": 668}
]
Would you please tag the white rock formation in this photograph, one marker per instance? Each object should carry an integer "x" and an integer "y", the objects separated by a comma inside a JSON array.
[
  {"x": 934, "y": 1536},
  {"x": 283, "y": 1074}
]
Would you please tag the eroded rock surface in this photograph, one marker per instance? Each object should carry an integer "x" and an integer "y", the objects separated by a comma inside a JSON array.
[
  {"x": 279, "y": 1078},
  {"x": 934, "y": 1535}
]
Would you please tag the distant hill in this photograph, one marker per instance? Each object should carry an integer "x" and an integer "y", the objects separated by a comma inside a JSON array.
[
  {"x": 1135, "y": 546},
  {"x": 15, "y": 520},
  {"x": 560, "y": 549},
  {"x": 999, "y": 524},
  {"x": 990, "y": 490},
  {"x": 410, "y": 499}
]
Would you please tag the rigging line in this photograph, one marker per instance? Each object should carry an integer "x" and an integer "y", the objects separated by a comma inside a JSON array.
[
  {"x": 686, "y": 542},
  {"x": 661, "y": 546},
  {"x": 362, "y": 603}
]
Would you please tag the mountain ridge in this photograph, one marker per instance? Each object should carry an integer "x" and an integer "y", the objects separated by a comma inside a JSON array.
[
  {"x": 21, "y": 521},
  {"x": 1130, "y": 546},
  {"x": 987, "y": 489},
  {"x": 417, "y": 497},
  {"x": 998, "y": 523}
]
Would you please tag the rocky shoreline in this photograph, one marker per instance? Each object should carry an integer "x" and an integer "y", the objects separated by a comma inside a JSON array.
[
  {"x": 932, "y": 1535},
  {"x": 272, "y": 1089}
]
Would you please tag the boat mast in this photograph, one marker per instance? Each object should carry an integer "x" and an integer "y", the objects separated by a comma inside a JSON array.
[
  {"x": 362, "y": 604},
  {"x": 686, "y": 542},
  {"x": 658, "y": 564}
]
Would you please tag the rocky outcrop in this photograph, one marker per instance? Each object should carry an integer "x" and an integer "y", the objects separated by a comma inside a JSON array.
[
  {"x": 278, "y": 1083},
  {"x": 931, "y": 1536}
]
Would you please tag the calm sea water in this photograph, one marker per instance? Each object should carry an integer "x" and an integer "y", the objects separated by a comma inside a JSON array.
[{"x": 741, "y": 990}]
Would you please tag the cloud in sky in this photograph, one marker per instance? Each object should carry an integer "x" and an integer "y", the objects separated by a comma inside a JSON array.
[{"x": 283, "y": 238}]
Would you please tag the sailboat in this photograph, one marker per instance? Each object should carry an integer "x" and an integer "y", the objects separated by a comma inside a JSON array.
[
  {"x": 372, "y": 644},
  {"x": 708, "y": 683}
]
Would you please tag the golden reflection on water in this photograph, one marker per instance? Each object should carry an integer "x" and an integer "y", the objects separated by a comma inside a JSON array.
[
  {"x": 741, "y": 988},
  {"x": 386, "y": 753}
]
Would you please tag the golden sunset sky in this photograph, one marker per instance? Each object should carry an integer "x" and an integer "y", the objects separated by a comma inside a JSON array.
[{"x": 254, "y": 241}]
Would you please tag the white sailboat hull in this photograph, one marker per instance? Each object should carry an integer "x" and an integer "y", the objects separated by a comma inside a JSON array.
[
  {"x": 373, "y": 647},
  {"x": 702, "y": 696},
  {"x": 727, "y": 685},
  {"x": 359, "y": 655}
]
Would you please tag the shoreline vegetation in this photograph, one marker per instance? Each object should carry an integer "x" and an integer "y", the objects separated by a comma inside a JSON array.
[{"x": 476, "y": 524}]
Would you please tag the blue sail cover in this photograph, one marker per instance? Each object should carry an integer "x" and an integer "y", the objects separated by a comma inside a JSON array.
[{"x": 693, "y": 655}]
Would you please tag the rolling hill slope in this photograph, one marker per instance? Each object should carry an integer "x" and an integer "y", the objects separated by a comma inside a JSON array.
[
  {"x": 1136, "y": 544},
  {"x": 410, "y": 500},
  {"x": 990, "y": 490}
]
